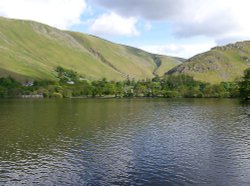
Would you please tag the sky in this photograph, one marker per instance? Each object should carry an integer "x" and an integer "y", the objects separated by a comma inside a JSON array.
[{"x": 181, "y": 28}]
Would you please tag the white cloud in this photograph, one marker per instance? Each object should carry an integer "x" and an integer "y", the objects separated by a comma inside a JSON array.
[
  {"x": 113, "y": 24},
  {"x": 147, "y": 9},
  {"x": 59, "y": 13},
  {"x": 221, "y": 20},
  {"x": 217, "y": 19},
  {"x": 179, "y": 50}
]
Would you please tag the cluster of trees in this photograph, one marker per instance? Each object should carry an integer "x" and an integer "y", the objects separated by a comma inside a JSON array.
[
  {"x": 244, "y": 85},
  {"x": 71, "y": 85},
  {"x": 9, "y": 87}
]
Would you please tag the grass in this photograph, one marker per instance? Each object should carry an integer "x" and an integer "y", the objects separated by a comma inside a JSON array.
[
  {"x": 220, "y": 64},
  {"x": 31, "y": 50},
  {"x": 167, "y": 64}
]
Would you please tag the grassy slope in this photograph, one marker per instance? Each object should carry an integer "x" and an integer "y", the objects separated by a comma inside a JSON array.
[
  {"x": 219, "y": 64},
  {"x": 167, "y": 64},
  {"x": 128, "y": 61},
  {"x": 31, "y": 50}
]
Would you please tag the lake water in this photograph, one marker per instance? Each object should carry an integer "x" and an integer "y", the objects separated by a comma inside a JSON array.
[{"x": 124, "y": 142}]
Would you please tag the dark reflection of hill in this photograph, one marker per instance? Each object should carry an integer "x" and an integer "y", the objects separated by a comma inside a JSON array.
[
  {"x": 40, "y": 125},
  {"x": 105, "y": 142}
]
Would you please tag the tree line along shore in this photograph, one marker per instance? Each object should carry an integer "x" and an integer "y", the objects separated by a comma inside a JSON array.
[{"x": 70, "y": 84}]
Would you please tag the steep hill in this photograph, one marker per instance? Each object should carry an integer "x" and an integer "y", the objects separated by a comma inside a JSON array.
[
  {"x": 225, "y": 63},
  {"x": 30, "y": 50}
]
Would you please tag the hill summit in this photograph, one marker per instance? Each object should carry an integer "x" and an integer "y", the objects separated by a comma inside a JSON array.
[
  {"x": 225, "y": 63},
  {"x": 30, "y": 50}
]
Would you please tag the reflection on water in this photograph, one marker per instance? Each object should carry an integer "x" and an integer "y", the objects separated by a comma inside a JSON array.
[{"x": 124, "y": 142}]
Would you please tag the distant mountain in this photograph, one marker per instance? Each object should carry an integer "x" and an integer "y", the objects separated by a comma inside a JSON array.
[
  {"x": 30, "y": 50},
  {"x": 225, "y": 63}
]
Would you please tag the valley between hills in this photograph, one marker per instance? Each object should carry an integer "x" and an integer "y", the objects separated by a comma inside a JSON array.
[{"x": 32, "y": 51}]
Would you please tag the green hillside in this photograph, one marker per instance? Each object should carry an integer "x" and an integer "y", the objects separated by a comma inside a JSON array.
[
  {"x": 225, "y": 63},
  {"x": 30, "y": 50}
]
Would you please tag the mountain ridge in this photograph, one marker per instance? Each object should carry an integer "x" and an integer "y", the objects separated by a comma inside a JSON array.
[
  {"x": 221, "y": 63},
  {"x": 31, "y": 50}
]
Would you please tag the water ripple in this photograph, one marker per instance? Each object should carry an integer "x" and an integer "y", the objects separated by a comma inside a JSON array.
[{"x": 124, "y": 142}]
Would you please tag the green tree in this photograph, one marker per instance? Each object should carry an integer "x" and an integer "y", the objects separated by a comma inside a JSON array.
[
  {"x": 3, "y": 92},
  {"x": 67, "y": 93},
  {"x": 140, "y": 89},
  {"x": 245, "y": 86}
]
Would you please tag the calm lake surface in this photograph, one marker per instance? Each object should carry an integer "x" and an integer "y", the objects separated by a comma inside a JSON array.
[{"x": 124, "y": 142}]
